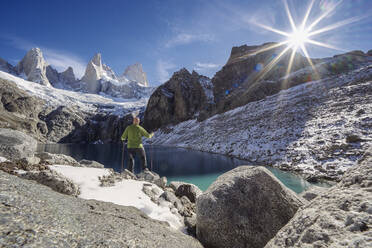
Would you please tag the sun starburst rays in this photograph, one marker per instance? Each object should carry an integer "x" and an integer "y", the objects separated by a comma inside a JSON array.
[{"x": 301, "y": 35}]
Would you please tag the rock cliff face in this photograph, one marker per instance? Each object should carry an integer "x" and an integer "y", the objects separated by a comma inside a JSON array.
[
  {"x": 181, "y": 98},
  {"x": 341, "y": 217},
  {"x": 20, "y": 111},
  {"x": 136, "y": 73},
  {"x": 34, "y": 66},
  {"x": 246, "y": 76}
]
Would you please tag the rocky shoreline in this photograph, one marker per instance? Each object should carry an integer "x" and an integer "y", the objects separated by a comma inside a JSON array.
[{"x": 246, "y": 206}]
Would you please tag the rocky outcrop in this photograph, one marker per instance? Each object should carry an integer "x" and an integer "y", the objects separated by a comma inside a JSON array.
[
  {"x": 34, "y": 66},
  {"x": 93, "y": 74},
  {"x": 341, "y": 217},
  {"x": 244, "y": 207},
  {"x": 29, "y": 209},
  {"x": 16, "y": 113},
  {"x": 62, "y": 122},
  {"x": 15, "y": 144},
  {"x": 246, "y": 77},
  {"x": 135, "y": 73},
  {"x": 179, "y": 99}
]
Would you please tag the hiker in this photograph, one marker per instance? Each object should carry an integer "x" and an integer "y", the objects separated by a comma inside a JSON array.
[{"x": 134, "y": 134}]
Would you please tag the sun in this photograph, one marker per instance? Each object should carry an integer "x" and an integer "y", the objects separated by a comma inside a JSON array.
[
  {"x": 302, "y": 34},
  {"x": 298, "y": 38}
]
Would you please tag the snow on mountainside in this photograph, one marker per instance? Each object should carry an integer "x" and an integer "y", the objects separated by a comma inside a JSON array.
[
  {"x": 318, "y": 128},
  {"x": 82, "y": 101}
]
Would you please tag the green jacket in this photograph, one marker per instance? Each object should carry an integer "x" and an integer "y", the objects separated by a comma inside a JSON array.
[{"x": 134, "y": 134}]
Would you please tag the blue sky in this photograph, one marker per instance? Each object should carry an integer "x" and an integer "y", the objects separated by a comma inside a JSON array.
[{"x": 166, "y": 35}]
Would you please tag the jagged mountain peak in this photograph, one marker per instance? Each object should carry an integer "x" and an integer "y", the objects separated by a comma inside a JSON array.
[
  {"x": 33, "y": 66},
  {"x": 97, "y": 59}
]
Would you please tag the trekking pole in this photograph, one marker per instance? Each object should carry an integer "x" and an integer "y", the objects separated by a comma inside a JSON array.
[
  {"x": 151, "y": 154},
  {"x": 122, "y": 158}
]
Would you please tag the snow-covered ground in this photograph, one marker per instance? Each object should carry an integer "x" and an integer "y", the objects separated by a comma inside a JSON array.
[
  {"x": 301, "y": 129},
  {"x": 2, "y": 159},
  {"x": 125, "y": 193},
  {"x": 82, "y": 101}
]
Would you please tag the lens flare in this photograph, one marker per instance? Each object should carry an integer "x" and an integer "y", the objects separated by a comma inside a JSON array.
[{"x": 302, "y": 34}]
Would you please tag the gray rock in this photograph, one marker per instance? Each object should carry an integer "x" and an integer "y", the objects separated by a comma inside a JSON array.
[
  {"x": 91, "y": 163},
  {"x": 172, "y": 198},
  {"x": 33, "y": 215},
  {"x": 312, "y": 192},
  {"x": 61, "y": 159},
  {"x": 161, "y": 182},
  {"x": 341, "y": 217},
  {"x": 189, "y": 190},
  {"x": 175, "y": 184},
  {"x": 244, "y": 207},
  {"x": 353, "y": 138},
  {"x": 148, "y": 176},
  {"x": 53, "y": 180},
  {"x": 15, "y": 144},
  {"x": 190, "y": 223},
  {"x": 128, "y": 175},
  {"x": 29, "y": 160}
]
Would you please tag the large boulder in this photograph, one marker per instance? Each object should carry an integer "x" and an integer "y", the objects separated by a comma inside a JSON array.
[
  {"x": 341, "y": 217},
  {"x": 15, "y": 144},
  {"x": 244, "y": 207},
  {"x": 33, "y": 215}
]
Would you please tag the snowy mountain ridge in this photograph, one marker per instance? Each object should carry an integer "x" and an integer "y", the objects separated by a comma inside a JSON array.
[{"x": 98, "y": 77}]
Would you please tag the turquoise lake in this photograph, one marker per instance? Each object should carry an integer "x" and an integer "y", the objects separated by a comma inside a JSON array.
[{"x": 177, "y": 164}]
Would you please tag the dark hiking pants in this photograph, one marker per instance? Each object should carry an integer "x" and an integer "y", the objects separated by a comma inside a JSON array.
[{"x": 133, "y": 152}]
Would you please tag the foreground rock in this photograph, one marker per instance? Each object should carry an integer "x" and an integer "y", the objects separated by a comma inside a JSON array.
[
  {"x": 15, "y": 144},
  {"x": 342, "y": 217},
  {"x": 35, "y": 216},
  {"x": 244, "y": 207}
]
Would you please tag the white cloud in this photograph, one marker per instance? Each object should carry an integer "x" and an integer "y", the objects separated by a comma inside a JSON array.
[
  {"x": 163, "y": 68},
  {"x": 186, "y": 38},
  {"x": 205, "y": 66},
  {"x": 60, "y": 60}
]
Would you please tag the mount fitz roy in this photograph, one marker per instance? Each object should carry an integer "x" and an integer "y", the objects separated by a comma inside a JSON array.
[{"x": 99, "y": 78}]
